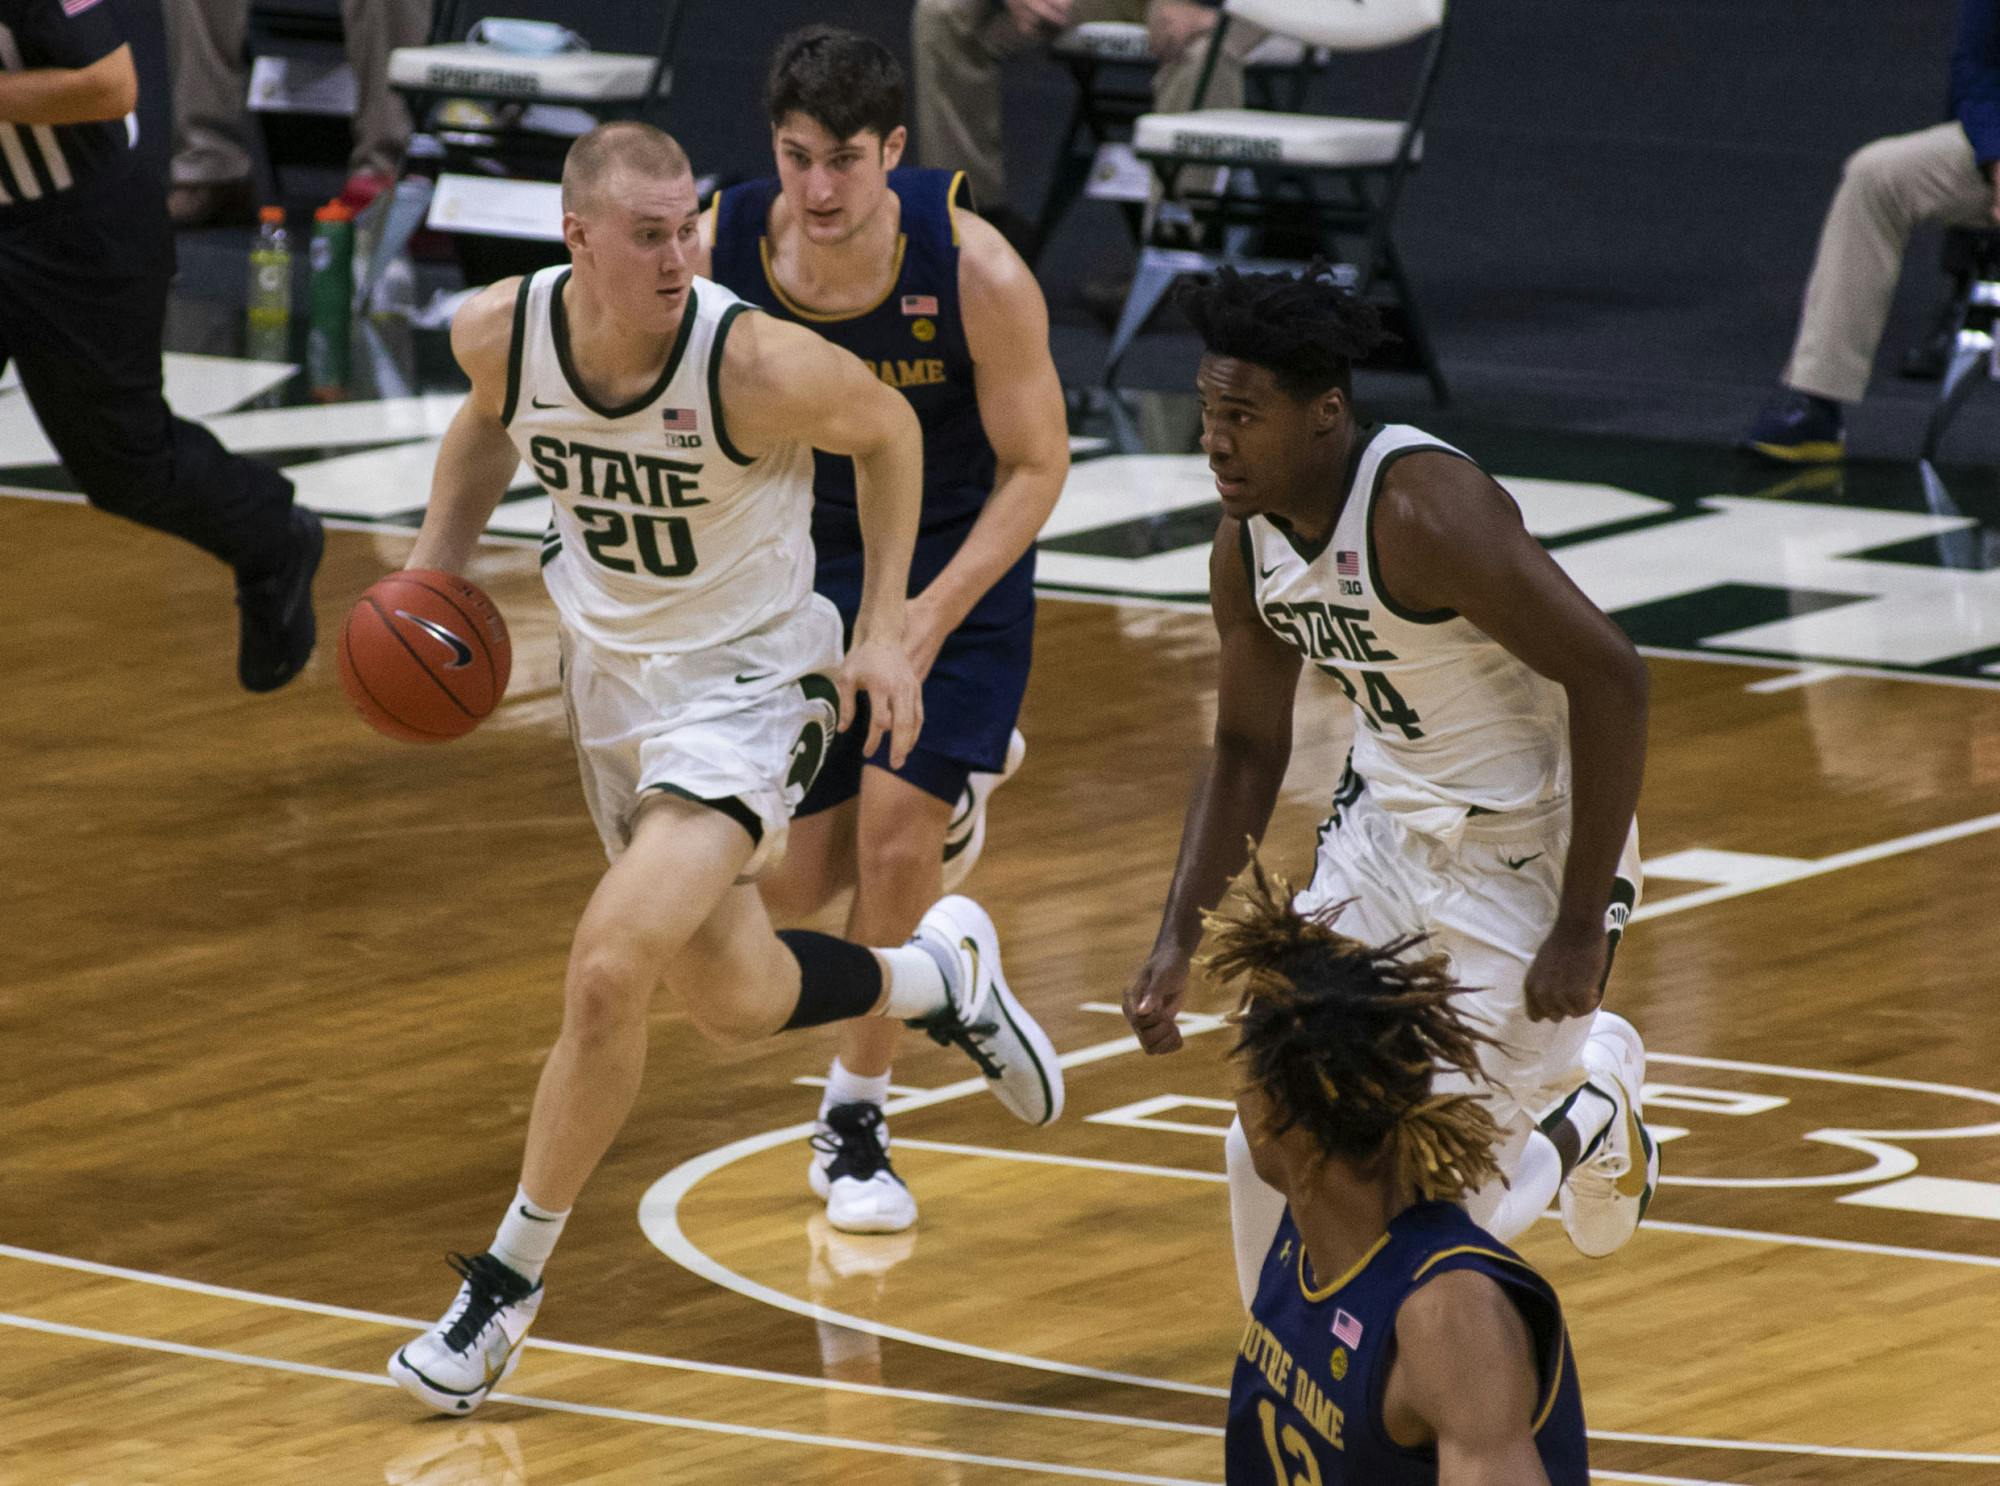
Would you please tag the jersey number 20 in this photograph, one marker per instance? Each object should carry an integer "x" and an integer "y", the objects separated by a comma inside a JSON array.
[{"x": 662, "y": 545}]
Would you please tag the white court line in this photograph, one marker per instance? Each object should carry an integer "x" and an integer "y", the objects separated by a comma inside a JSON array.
[
  {"x": 1770, "y": 1447},
  {"x": 1088, "y": 1163},
  {"x": 1704, "y": 1230},
  {"x": 1839, "y": 861},
  {"x": 1649, "y": 1480},
  {"x": 600, "y": 1411},
  {"x": 608, "y": 1354},
  {"x": 1807, "y": 676},
  {"x": 659, "y": 1218}
]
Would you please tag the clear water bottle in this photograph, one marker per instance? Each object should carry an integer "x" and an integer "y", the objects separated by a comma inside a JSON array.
[{"x": 270, "y": 288}]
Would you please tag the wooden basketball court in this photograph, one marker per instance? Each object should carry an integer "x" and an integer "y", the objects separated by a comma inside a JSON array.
[{"x": 275, "y": 992}]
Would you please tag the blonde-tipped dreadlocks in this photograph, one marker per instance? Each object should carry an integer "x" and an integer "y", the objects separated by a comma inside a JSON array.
[{"x": 1343, "y": 1038}]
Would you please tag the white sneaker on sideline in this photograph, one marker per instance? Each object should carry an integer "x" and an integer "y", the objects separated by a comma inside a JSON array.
[
  {"x": 850, "y": 1169},
  {"x": 982, "y": 1016},
  {"x": 1612, "y": 1185},
  {"x": 965, "y": 837},
  {"x": 454, "y": 1365}
]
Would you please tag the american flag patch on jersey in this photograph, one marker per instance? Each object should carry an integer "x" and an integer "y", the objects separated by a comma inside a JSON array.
[
  {"x": 920, "y": 304},
  {"x": 677, "y": 420},
  {"x": 77, "y": 7},
  {"x": 1346, "y": 1330},
  {"x": 1348, "y": 565}
]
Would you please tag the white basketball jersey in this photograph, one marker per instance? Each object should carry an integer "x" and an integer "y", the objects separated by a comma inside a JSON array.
[
  {"x": 665, "y": 538},
  {"x": 1448, "y": 720}
]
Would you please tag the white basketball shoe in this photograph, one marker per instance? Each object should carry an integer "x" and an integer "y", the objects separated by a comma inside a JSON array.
[
  {"x": 965, "y": 837},
  {"x": 982, "y": 1017},
  {"x": 851, "y": 1171},
  {"x": 454, "y": 1365},
  {"x": 1612, "y": 1185}
]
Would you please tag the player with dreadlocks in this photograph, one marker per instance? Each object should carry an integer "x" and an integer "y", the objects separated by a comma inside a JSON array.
[
  {"x": 1500, "y": 735},
  {"x": 1391, "y": 1340}
]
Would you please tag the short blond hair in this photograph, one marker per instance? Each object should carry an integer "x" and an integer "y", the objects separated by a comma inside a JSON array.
[{"x": 627, "y": 145}]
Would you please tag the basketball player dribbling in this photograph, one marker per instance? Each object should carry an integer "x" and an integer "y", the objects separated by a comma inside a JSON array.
[
  {"x": 887, "y": 264},
  {"x": 1500, "y": 736},
  {"x": 704, "y": 681}
]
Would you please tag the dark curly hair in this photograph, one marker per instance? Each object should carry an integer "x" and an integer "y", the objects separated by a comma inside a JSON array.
[
  {"x": 1343, "y": 1038},
  {"x": 1306, "y": 328},
  {"x": 840, "y": 79}
]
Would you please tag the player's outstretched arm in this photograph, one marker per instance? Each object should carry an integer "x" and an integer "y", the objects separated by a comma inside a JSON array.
[
  {"x": 1256, "y": 685},
  {"x": 1021, "y": 409},
  {"x": 1448, "y": 537},
  {"x": 781, "y": 383},
  {"x": 1465, "y": 1380},
  {"x": 478, "y": 459}
]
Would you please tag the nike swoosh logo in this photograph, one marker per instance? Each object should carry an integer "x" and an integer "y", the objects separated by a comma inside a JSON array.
[
  {"x": 461, "y": 652},
  {"x": 1264, "y": 572},
  {"x": 1517, "y": 863},
  {"x": 533, "y": 1217},
  {"x": 971, "y": 948},
  {"x": 546, "y": 406},
  {"x": 746, "y": 677}
]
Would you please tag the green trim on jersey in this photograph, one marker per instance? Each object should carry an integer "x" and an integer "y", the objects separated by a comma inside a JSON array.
[
  {"x": 715, "y": 382},
  {"x": 515, "y": 348},
  {"x": 1411, "y": 616},
  {"x": 559, "y": 332}
]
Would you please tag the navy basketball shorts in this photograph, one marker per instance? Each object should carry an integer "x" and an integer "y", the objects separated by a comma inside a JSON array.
[{"x": 972, "y": 698}]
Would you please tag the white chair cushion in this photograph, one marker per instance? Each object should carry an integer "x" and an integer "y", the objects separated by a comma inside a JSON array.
[
  {"x": 1104, "y": 41},
  {"x": 581, "y": 77},
  {"x": 1253, "y": 136}
]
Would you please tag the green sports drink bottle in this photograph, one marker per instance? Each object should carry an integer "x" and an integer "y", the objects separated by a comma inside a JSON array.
[{"x": 332, "y": 301}]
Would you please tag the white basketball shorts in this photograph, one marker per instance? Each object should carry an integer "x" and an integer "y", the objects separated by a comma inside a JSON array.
[{"x": 741, "y": 727}]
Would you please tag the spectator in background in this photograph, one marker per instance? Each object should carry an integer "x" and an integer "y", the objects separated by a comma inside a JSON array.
[
  {"x": 959, "y": 47},
  {"x": 1942, "y": 174},
  {"x": 211, "y": 179}
]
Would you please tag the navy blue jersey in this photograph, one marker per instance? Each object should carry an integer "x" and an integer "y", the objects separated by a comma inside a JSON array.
[
  {"x": 914, "y": 340},
  {"x": 1306, "y": 1401}
]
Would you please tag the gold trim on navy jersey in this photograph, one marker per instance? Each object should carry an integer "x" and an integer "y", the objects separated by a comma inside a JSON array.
[
  {"x": 1562, "y": 1332},
  {"x": 1305, "y": 1285},
  {"x": 821, "y": 317}
]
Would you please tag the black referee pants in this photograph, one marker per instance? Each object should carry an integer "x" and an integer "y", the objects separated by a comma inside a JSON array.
[{"x": 83, "y": 297}]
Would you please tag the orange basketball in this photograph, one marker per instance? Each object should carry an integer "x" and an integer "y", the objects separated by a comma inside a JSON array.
[{"x": 424, "y": 656}]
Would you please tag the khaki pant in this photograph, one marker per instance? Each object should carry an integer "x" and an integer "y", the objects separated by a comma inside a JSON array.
[
  {"x": 1887, "y": 188},
  {"x": 960, "y": 46},
  {"x": 211, "y": 125}
]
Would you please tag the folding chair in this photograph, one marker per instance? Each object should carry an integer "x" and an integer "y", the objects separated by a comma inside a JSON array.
[
  {"x": 1332, "y": 179},
  {"x": 495, "y": 120},
  {"x": 1112, "y": 64},
  {"x": 301, "y": 91},
  {"x": 1975, "y": 331}
]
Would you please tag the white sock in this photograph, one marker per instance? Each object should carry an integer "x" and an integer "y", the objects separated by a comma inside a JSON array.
[
  {"x": 527, "y": 1236},
  {"x": 1589, "y": 1116},
  {"x": 1508, "y": 1212},
  {"x": 1255, "y": 1210},
  {"x": 915, "y": 974},
  {"x": 844, "y": 1086}
]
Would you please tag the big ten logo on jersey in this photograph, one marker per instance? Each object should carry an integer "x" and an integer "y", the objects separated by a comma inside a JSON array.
[{"x": 620, "y": 540}]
